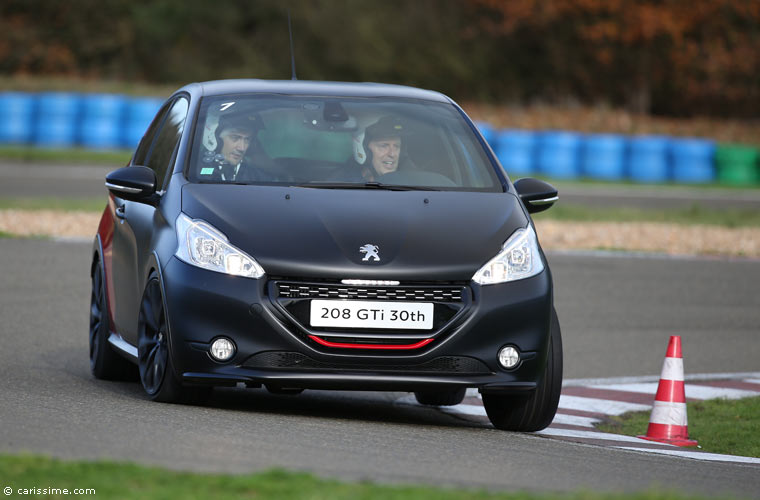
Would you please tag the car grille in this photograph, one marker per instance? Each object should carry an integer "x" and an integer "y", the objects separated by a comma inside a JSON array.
[
  {"x": 298, "y": 361},
  {"x": 296, "y": 290},
  {"x": 294, "y": 298}
]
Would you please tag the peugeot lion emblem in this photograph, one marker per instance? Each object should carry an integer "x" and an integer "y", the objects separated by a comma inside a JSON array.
[{"x": 371, "y": 252}]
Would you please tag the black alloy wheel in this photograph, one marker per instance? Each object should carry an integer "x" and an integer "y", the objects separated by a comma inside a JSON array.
[
  {"x": 153, "y": 345},
  {"x": 104, "y": 362},
  {"x": 154, "y": 359}
]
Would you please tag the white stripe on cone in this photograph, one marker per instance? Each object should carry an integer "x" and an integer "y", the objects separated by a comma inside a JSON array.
[
  {"x": 672, "y": 369},
  {"x": 668, "y": 413}
]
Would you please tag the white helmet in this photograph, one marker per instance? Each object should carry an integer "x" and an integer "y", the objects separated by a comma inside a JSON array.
[{"x": 359, "y": 154}]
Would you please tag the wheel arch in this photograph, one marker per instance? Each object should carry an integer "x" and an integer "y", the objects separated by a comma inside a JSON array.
[
  {"x": 98, "y": 258},
  {"x": 97, "y": 253}
]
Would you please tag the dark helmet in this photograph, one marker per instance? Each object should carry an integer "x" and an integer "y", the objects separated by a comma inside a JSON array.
[{"x": 240, "y": 121}]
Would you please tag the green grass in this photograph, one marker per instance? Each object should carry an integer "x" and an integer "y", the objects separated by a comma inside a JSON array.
[
  {"x": 95, "y": 204},
  {"x": 641, "y": 186},
  {"x": 66, "y": 156},
  {"x": 31, "y": 83},
  {"x": 730, "y": 427},
  {"x": 694, "y": 214},
  {"x": 124, "y": 481},
  {"x": 576, "y": 213}
]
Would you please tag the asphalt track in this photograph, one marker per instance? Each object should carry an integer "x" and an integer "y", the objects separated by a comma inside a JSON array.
[
  {"x": 72, "y": 181},
  {"x": 616, "y": 313}
]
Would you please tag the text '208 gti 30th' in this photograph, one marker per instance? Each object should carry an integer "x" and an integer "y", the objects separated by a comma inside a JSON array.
[{"x": 316, "y": 235}]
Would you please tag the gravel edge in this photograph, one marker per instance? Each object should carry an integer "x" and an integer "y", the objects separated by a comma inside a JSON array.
[{"x": 673, "y": 239}]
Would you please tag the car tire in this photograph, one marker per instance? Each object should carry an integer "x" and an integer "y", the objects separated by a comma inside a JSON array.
[
  {"x": 534, "y": 412},
  {"x": 154, "y": 356},
  {"x": 105, "y": 363},
  {"x": 441, "y": 398}
]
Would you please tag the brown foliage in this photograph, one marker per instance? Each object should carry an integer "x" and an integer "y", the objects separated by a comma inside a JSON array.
[
  {"x": 705, "y": 51},
  {"x": 675, "y": 57}
]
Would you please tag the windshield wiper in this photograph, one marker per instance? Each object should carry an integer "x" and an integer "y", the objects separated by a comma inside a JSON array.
[{"x": 365, "y": 185}]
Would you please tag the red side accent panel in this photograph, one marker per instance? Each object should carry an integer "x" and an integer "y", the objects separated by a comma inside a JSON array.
[
  {"x": 327, "y": 343},
  {"x": 105, "y": 231}
]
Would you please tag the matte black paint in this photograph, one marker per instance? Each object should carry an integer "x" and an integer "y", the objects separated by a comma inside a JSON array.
[
  {"x": 302, "y": 233},
  {"x": 134, "y": 177},
  {"x": 318, "y": 232}
]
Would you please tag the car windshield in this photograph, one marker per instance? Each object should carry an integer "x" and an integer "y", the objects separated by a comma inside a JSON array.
[{"x": 338, "y": 143}]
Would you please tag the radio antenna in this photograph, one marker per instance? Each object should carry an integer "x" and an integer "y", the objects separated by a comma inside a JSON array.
[{"x": 292, "y": 54}]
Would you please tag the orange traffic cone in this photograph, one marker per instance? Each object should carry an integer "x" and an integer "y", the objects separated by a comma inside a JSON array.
[{"x": 668, "y": 423}]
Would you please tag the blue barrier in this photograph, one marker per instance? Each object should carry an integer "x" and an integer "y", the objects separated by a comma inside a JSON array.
[
  {"x": 102, "y": 121},
  {"x": 515, "y": 150},
  {"x": 139, "y": 114},
  {"x": 648, "y": 158},
  {"x": 488, "y": 132},
  {"x": 693, "y": 160},
  {"x": 603, "y": 157},
  {"x": 558, "y": 154},
  {"x": 16, "y": 117},
  {"x": 63, "y": 119},
  {"x": 57, "y": 119}
]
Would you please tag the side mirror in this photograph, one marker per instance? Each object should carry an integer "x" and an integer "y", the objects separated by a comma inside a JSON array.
[
  {"x": 134, "y": 183},
  {"x": 535, "y": 194}
]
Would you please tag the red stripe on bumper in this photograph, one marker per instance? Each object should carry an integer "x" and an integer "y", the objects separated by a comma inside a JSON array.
[{"x": 327, "y": 343}]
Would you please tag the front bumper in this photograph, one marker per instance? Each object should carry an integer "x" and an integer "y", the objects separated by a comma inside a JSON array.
[{"x": 275, "y": 349}]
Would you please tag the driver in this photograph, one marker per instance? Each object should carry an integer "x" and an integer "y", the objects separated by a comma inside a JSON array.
[{"x": 380, "y": 150}]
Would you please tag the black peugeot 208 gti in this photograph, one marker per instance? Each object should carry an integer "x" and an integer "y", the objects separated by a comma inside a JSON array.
[{"x": 314, "y": 235}]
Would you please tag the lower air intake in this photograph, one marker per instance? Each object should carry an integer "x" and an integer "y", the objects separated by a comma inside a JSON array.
[{"x": 298, "y": 361}]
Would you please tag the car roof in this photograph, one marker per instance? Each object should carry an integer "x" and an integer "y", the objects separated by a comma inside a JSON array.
[{"x": 303, "y": 87}]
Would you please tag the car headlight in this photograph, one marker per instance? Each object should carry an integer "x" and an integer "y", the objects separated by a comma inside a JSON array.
[
  {"x": 202, "y": 245},
  {"x": 518, "y": 259}
]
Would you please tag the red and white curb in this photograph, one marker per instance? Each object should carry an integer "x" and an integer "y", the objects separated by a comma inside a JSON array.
[{"x": 585, "y": 402}]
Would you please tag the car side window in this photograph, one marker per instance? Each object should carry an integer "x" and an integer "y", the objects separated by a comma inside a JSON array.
[
  {"x": 168, "y": 137},
  {"x": 141, "y": 154}
]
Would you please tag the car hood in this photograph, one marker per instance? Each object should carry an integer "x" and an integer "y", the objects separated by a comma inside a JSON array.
[{"x": 318, "y": 233}]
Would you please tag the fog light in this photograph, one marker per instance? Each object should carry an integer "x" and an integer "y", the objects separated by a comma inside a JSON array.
[
  {"x": 222, "y": 349},
  {"x": 509, "y": 357}
]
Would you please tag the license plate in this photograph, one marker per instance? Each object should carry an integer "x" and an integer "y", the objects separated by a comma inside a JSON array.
[{"x": 372, "y": 314}]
